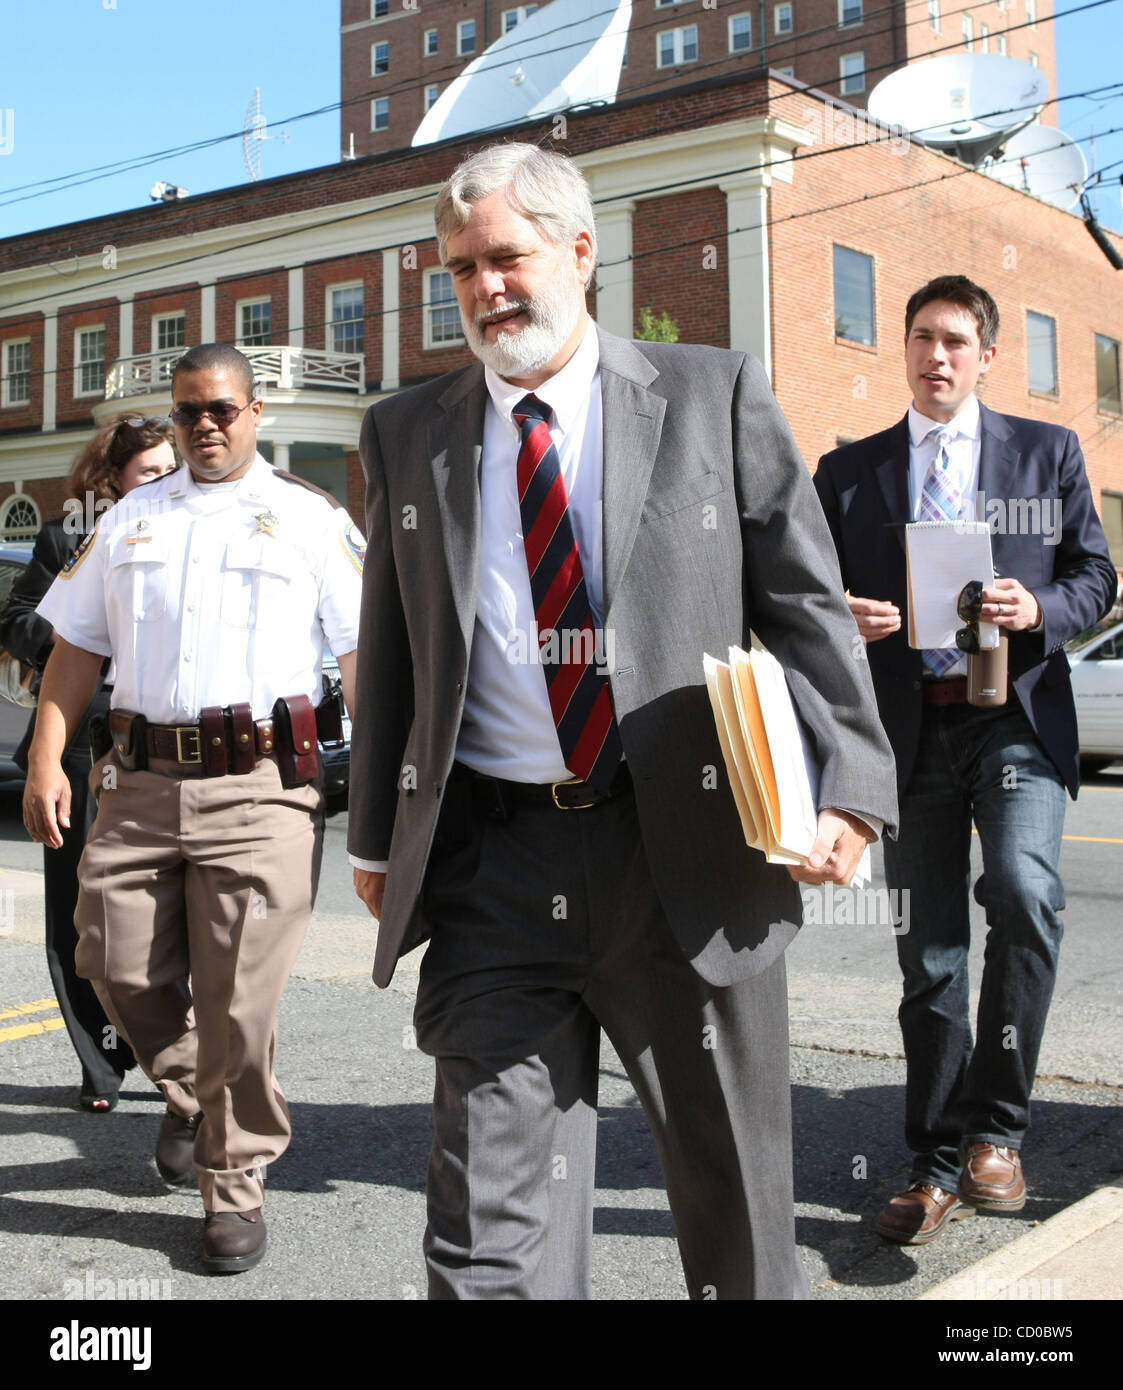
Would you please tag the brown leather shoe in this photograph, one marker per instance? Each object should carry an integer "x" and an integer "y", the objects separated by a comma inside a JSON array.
[
  {"x": 233, "y": 1240},
  {"x": 175, "y": 1147},
  {"x": 992, "y": 1178},
  {"x": 919, "y": 1214}
]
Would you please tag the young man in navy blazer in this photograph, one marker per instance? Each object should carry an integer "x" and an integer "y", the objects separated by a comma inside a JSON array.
[{"x": 1005, "y": 768}]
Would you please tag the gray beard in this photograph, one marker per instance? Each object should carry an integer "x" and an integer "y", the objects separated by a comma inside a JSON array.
[{"x": 552, "y": 320}]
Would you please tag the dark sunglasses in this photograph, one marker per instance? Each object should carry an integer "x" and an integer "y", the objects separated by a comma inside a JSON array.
[
  {"x": 223, "y": 413},
  {"x": 969, "y": 606}
]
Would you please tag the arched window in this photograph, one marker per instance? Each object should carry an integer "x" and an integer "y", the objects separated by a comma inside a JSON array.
[{"x": 20, "y": 518}]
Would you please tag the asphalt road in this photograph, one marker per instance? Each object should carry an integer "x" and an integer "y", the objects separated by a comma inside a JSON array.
[{"x": 81, "y": 1201}]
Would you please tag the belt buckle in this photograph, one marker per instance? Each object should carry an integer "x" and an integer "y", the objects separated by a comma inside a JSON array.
[
  {"x": 192, "y": 730},
  {"x": 572, "y": 806}
]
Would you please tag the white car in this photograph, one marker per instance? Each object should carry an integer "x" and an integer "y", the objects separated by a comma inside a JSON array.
[{"x": 1096, "y": 658}]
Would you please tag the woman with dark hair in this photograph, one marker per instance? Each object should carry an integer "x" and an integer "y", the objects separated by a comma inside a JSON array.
[{"x": 123, "y": 454}]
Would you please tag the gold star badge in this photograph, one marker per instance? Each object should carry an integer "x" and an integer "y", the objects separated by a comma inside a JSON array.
[{"x": 266, "y": 522}]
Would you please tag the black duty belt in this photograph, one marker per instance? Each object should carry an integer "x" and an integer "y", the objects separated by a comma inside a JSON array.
[{"x": 496, "y": 793}]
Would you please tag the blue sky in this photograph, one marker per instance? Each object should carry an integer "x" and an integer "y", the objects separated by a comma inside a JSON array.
[{"x": 94, "y": 82}]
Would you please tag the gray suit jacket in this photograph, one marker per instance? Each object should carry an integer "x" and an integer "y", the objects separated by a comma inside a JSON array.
[{"x": 711, "y": 526}]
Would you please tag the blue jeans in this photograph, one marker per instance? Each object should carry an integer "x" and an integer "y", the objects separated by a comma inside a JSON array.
[{"x": 985, "y": 764}]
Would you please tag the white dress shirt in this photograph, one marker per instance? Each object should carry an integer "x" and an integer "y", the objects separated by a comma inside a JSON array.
[
  {"x": 213, "y": 594},
  {"x": 964, "y": 452},
  {"x": 508, "y": 730}
]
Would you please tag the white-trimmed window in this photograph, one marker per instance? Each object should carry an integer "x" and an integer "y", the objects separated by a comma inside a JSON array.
[
  {"x": 379, "y": 9},
  {"x": 666, "y": 4},
  {"x": 1033, "y": 60},
  {"x": 675, "y": 46},
  {"x": 1000, "y": 44},
  {"x": 1041, "y": 352},
  {"x": 849, "y": 13},
  {"x": 740, "y": 33},
  {"x": 984, "y": 38},
  {"x": 89, "y": 361},
  {"x": 442, "y": 313},
  {"x": 783, "y": 21},
  {"x": 17, "y": 372},
  {"x": 465, "y": 37},
  {"x": 934, "y": 16},
  {"x": 255, "y": 321},
  {"x": 853, "y": 296},
  {"x": 379, "y": 59},
  {"x": 1108, "y": 394},
  {"x": 20, "y": 518},
  {"x": 344, "y": 314},
  {"x": 785, "y": 72},
  {"x": 432, "y": 95},
  {"x": 511, "y": 18},
  {"x": 169, "y": 331},
  {"x": 852, "y": 73},
  {"x": 1031, "y": 13},
  {"x": 431, "y": 47},
  {"x": 380, "y": 113},
  {"x": 969, "y": 33}
]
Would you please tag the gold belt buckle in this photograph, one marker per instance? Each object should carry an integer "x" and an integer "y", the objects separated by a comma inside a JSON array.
[
  {"x": 568, "y": 806},
  {"x": 192, "y": 755}
]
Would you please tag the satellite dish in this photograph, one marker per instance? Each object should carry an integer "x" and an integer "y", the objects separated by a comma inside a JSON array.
[
  {"x": 966, "y": 103},
  {"x": 1044, "y": 162},
  {"x": 567, "y": 54}
]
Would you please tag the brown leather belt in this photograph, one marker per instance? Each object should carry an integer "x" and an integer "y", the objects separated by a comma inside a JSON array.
[
  {"x": 225, "y": 741},
  {"x": 952, "y": 691},
  {"x": 183, "y": 743}
]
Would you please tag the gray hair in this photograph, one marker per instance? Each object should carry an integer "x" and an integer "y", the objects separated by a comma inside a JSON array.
[{"x": 546, "y": 188}]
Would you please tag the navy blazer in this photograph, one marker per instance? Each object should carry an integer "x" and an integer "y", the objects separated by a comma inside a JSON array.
[{"x": 1033, "y": 481}]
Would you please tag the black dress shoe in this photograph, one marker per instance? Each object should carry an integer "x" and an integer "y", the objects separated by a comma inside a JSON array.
[
  {"x": 233, "y": 1240},
  {"x": 175, "y": 1147}
]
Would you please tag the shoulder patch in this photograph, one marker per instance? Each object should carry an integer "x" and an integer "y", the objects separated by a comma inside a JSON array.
[
  {"x": 354, "y": 546},
  {"x": 303, "y": 482},
  {"x": 75, "y": 561}
]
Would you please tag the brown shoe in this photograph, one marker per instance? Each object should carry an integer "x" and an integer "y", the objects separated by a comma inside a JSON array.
[
  {"x": 233, "y": 1240},
  {"x": 992, "y": 1178},
  {"x": 175, "y": 1147},
  {"x": 919, "y": 1215}
]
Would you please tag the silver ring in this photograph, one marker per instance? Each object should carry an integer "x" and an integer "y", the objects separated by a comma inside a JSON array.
[{"x": 1000, "y": 610}]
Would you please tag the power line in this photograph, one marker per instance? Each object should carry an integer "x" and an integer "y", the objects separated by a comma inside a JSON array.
[{"x": 83, "y": 177}]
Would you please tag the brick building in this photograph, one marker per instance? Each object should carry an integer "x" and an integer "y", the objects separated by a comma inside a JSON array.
[
  {"x": 758, "y": 213},
  {"x": 398, "y": 56}
]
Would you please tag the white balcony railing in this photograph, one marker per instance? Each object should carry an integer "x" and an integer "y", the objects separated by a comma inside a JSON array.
[{"x": 286, "y": 368}]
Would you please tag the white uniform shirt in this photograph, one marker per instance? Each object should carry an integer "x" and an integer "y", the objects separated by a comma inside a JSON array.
[
  {"x": 213, "y": 594},
  {"x": 508, "y": 730}
]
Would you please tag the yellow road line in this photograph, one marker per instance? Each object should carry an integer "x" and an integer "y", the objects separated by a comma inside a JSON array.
[
  {"x": 1094, "y": 839},
  {"x": 37, "y": 1008},
  {"x": 27, "y": 1030}
]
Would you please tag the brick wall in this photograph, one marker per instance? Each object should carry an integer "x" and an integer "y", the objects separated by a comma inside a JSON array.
[
  {"x": 935, "y": 220},
  {"x": 232, "y": 288},
  {"x": 674, "y": 272},
  {"x": 417, "y": 361},
  {"x": 72, "y": 409}
]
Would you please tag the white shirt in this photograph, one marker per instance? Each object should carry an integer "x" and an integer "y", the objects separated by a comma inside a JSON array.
[
  {"x": 964, "y": 453},
  {"x": 508, "y": 730},
  {"x": 213, "y": 594}
]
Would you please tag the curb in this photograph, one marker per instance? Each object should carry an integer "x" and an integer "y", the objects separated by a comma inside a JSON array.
[{"x": 1078, "y": 1253}]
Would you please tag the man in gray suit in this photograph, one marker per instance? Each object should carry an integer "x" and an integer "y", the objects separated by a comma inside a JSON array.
[{"x": 551, "y": 811}]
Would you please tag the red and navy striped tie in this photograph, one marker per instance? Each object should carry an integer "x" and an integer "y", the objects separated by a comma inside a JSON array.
[{"x": 580, "y": 699}]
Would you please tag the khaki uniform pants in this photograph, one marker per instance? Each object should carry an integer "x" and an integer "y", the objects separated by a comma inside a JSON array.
[{"x": 212, "y": 877}]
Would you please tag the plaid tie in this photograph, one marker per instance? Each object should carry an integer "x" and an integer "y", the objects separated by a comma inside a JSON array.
[
  {"x": 940, "y": 500},
  {"x": 580, "y": 699}
]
